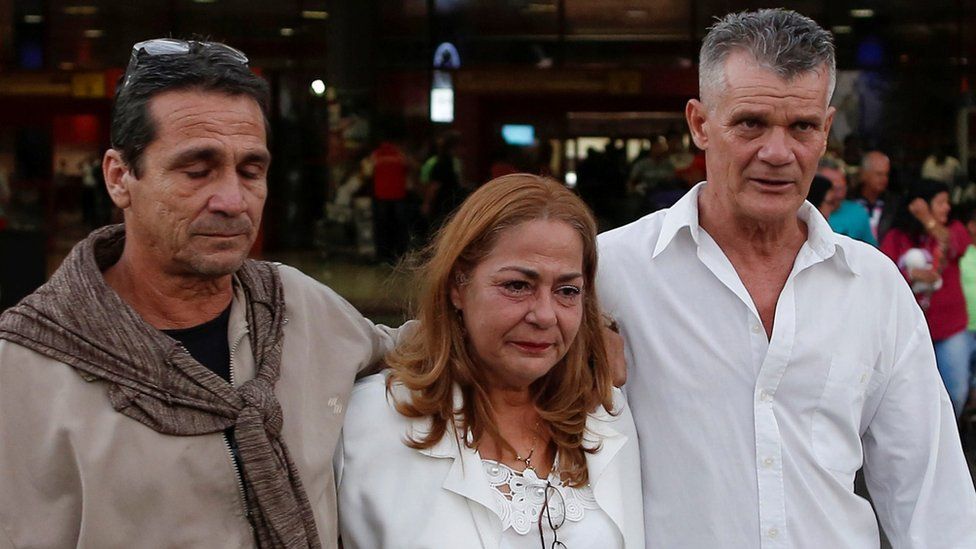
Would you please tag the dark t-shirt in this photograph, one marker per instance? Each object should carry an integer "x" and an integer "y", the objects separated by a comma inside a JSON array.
[{"x": 207, "y": 343}]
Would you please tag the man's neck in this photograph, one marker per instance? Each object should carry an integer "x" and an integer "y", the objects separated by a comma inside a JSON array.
[
  {"x": 749, "y": 238},
  {"x": 168, "y": 301}
]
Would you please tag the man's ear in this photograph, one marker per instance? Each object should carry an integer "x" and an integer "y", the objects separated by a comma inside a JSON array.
[
  {"x": 118, "y": 177},
  {"x": 697, "y": 117}
]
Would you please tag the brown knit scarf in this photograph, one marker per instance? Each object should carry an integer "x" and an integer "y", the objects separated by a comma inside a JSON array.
[{"x": 77, "y": 319}]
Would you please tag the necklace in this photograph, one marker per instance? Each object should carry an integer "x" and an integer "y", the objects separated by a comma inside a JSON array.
[{"x": 527, "y": 460}]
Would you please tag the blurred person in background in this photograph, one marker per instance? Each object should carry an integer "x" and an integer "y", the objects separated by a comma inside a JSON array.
[
  {"x": 927, "y": 247},
  {"x": 390, "y": 169},
  {"x": 441, "y": 175},
  {"x": 497, "y": 420},
  {"x": 847, "y": 216},
  {"x": 872, "y": 192},
  {"x": 652, "y": 175},
  {"x": 942, "y": 166},
  {"x": 820, "y": 195},
  {"x": 967, "y": 274}
]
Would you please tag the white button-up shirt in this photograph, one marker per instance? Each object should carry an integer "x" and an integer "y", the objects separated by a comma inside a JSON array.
[{"x": 753, "y": 442}]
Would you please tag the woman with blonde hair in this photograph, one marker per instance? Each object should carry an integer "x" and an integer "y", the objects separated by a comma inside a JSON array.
[{"x": 497, "y": 424}]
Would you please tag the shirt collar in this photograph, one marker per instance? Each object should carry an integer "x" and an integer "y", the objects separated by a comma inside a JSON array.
[{"x": 821, "y": 239}]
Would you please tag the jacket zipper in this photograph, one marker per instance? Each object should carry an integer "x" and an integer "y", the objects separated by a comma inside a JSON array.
[{"x": 230, "y": 451}]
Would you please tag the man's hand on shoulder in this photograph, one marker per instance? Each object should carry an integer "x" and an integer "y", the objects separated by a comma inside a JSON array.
[{"x": 614, "y": 346}]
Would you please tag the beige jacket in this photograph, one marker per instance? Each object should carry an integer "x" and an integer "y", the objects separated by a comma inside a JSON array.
[{"x": 76, "y": 473}]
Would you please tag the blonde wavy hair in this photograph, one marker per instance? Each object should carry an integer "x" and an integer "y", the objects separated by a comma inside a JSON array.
[{"x": 436, "y": 358}]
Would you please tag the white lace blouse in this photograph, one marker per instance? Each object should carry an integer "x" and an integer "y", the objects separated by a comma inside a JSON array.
[{"x": 521, "y": 496}]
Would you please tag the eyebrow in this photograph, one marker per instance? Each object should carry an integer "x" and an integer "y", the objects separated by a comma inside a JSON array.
[{"x": 534, "y": 275}]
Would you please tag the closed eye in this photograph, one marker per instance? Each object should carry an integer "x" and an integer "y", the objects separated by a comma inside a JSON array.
[{"x": 198, "y": 174}]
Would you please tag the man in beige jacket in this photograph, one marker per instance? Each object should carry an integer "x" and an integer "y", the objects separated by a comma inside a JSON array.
[{"x": 161, "y": 390}]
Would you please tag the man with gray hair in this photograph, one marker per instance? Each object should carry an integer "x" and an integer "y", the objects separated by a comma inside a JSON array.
[
  {"x": 873, "y": 192},
  {"x": 754, "y": 406}
]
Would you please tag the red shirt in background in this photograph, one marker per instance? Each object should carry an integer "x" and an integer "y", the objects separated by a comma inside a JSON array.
[
  {"x": 946, "y": 313},
  {"x": 390, "y": 168}
]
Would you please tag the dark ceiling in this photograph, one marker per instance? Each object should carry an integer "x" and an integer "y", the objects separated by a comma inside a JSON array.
[{"x": 96, "y": 34}]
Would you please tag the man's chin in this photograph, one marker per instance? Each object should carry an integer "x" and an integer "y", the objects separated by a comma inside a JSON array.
[{"x": 215, "y": 265}]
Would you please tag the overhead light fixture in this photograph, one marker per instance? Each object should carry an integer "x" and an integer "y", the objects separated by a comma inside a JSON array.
[
  {"x": 539, "y": 7},
  {"x": 863, "y": 13},
  {"x": 33, "y": 18},
  {"x": 315, "y": 14},
  {"x": 287, "y": 31},
  {"x": 842, "y": 29},
  {"x": 66, "y": 65},
  {"x": 93, "y": 33},
  {"x": 81, "y": 10},
  {"x": 318, "y": 87}
]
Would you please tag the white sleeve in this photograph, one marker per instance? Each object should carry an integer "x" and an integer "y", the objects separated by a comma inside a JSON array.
[{"x": 913, "y": 461}]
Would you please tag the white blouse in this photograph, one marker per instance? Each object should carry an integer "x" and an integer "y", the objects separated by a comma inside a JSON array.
[{"x": 521, "y": 497}]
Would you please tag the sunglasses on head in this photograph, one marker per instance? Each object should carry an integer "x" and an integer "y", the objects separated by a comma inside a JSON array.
[{"x": 174, "y": 46}]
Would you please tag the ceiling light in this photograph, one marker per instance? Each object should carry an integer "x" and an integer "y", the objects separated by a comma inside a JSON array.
[
  {"x": 93, "y": 33},
  {"x": 318, "y": 87},
  {"x": 287, "y": 31},
  {"x": 66, "y": 65},
  {"x": 33, "y": 18},
  {"x": 862, "y": 13},
  {"x": 539, "y": 7},
  {"x": 842, "y": 29},
  {"x": 315, "y": 14},
  {"x": 81, "y": 10}
]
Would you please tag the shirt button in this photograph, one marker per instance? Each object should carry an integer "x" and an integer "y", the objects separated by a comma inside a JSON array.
[
  {"x": 864, "y": 378},
  {"x": 765, "y": 396},
  {"x": 768, "y": 462},
  {"x": 772, "y": 532},
  {"x": 756, "y": 328}
]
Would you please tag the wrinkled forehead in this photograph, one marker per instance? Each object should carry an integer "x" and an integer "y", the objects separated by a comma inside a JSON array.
[{"x": 742, "y": 74}]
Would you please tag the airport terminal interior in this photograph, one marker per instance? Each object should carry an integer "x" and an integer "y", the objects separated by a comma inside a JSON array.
[{"x": 591, "y": 93}]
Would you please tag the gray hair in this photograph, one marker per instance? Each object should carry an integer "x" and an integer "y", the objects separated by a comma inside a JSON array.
[
  {"x": 870, "y": 157},
  {"x": 783, "y": 41}
]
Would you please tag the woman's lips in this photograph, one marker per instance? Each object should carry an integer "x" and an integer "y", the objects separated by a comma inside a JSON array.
[{"x": 532, "y": 346}]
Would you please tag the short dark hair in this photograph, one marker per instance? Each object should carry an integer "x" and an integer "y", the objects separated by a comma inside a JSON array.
[
  {"x": 819, "y": 188},
  {"x": 203, "y": 67}
]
